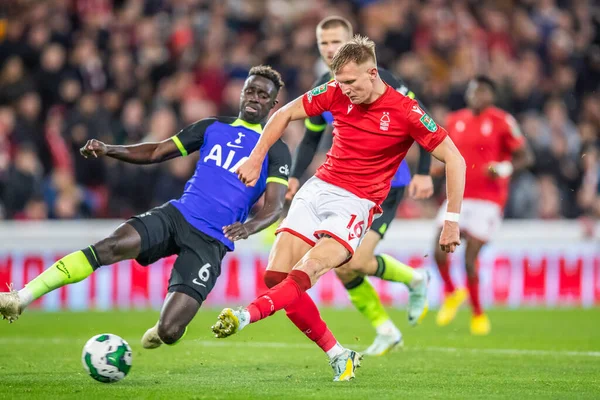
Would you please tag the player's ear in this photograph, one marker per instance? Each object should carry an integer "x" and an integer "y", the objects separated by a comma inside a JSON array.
[{"x": 373, "y": 73}]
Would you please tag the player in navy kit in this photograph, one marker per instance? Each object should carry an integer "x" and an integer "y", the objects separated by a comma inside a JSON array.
[{"x": 201, "y": 226}]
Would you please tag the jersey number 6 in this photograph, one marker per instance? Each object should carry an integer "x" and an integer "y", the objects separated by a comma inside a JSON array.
[{"x": 203, "y": 274}]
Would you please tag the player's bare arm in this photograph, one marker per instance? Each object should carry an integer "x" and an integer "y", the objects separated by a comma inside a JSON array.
[
  {"x": 447, "y": 152},
  {"x": 249, "y": 171},
  {"x": 265, "y": 217},
  {"x": 141, "y": 153}
]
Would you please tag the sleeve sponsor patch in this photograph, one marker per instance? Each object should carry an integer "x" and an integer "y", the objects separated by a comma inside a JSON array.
[
  {"x": 319, "y": 90},
  {"x": 428, "y": 123}
]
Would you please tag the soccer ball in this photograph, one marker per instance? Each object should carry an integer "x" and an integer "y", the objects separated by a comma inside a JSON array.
[{"x": 106, "y": 358}]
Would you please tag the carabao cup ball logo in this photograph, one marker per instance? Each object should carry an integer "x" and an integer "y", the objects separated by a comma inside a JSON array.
[{"x": 107, "y": 358}]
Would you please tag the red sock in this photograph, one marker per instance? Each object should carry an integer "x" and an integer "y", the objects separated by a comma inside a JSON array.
[
  {"x": 305, "y": 315},
  {"x": 280, "y": 296},
  {"x": 274, "y": 278},
  {"x": 473, "y": 286},
  {"x": 445, "y": 274}
]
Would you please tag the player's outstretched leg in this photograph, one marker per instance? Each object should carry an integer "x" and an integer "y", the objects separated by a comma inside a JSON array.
[
  {"x": 326, "y": 254},
  {"x": 177, "y": 312},
  {"x": 290, "y": 294},
  {"x": 480, "y": 323},
  {"x": 454, "y": 297},
  {"x": 305, "y": 315},
  {"x": 343, "y": 361},
  {"x": 122, "y": 244},
  {"x": 231, "y": 321}
]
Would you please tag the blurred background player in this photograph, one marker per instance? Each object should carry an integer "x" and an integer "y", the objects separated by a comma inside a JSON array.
[
  {"x": 332, "y": 32},
  {"x": 493, "y": 148},
  {"x": 375, "y": 126},
  {"x": 199, "y": 227}
]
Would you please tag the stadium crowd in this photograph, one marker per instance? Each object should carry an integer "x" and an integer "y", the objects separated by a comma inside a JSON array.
[{"x": 124, "y": 71}]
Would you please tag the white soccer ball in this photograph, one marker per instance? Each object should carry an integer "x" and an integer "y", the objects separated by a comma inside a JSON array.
[{"x": 106, "y": 358}]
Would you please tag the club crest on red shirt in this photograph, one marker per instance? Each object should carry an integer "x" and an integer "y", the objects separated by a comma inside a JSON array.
[{"x": 384, "y": 122}]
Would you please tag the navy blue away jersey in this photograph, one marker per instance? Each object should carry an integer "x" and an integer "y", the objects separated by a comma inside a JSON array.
[{"x": 214, "y": 197}]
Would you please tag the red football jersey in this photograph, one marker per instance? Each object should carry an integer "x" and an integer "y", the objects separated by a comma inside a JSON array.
[
  {"x": 370, "y": 140},
  {"x": 489, "y": 137}
]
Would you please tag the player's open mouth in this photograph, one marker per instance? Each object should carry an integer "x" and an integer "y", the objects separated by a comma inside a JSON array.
[{"x": 251, "y": 109}]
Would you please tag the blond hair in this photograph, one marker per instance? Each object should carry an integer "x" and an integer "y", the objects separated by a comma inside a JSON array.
[
  {"x": 359, "y": 50},
  {"x": 333, "y": 22}
]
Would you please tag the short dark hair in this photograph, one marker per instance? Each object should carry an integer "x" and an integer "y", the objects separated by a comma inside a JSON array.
[
  {"x": 333, "y": 22},
  {"x": 486, "y": 80},
  {"x": 267, "y": 72}
]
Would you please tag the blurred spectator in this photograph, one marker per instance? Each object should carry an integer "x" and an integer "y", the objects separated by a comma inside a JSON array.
[
  {"x": 21, "y": 182},
  {"x": 50, "y": 74},
  {"x": 66, "y": 199},
  {"x": 14, "y": 82},
  {"x": 36, "y": 209},
  {"x": 131, "y": 70},
  {"x": 7, "y": 125}
]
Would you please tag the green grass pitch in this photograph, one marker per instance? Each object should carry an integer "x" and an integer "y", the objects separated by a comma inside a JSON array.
[{"x": 531, "y": 354}]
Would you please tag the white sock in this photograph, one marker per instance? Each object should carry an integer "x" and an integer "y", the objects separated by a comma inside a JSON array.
[
  {"x": 244, "y": 318},
  {"x": 418, "y": 278},
  {"x": 387, "y": 328},
  {"x": 335, "y": 351},
  {"x": 25, "y": 297}
]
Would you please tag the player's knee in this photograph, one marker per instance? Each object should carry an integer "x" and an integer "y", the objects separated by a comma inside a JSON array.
[
  {"x": 312, "y": 267},
  {"x": 273, "y": 278},
  {"x": 108, "y": 250},
  {"x": 354, "y": 264},
  {"x": 170, "y": 331},
  {"x": 346, "y": 274}
]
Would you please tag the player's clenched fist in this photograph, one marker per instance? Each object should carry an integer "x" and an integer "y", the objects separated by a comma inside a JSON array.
[
  {"x": 450, "y": 237},
  {"x": 94, "y": 148},
  {"x": 249, "y": 171}
]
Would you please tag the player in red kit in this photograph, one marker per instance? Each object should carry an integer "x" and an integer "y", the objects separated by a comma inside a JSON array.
[
  {"x": 374, "y": 126},
  {"x": 492, "y": 145}
]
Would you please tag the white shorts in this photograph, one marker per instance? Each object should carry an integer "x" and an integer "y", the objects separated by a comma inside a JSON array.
[
  {"x": 480, "y": 219},
  {"x": 320, "y": 208}
]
